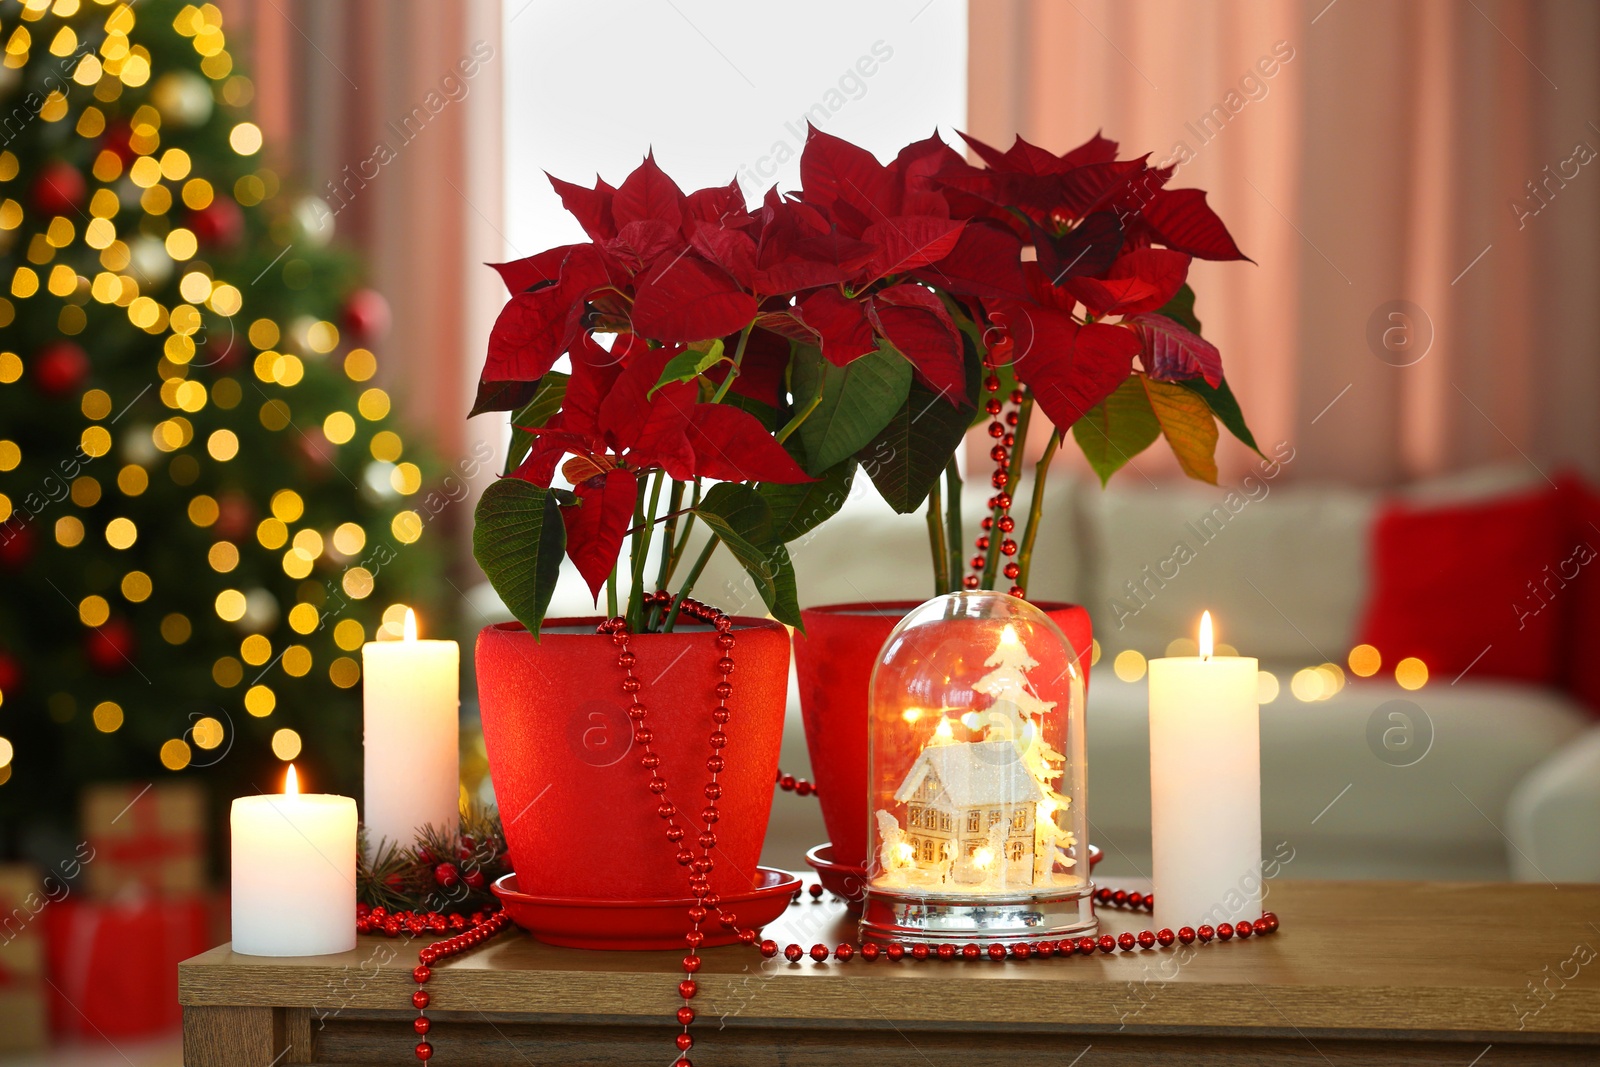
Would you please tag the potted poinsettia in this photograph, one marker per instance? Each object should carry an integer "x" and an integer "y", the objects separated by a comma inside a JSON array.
[
  {"x": 1066, "y": 290},
  {"x": 702, "y": 339}
]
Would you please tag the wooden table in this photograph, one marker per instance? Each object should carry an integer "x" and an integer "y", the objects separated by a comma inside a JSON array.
[{"x": 1452, "y": 974}]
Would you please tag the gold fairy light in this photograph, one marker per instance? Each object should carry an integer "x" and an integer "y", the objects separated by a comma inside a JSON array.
[
  {"x": 287, "y": 505},
  {"x": 175, "y": 628},
  {"x": 69, "y": 531},
  {"x": 360, "y": 365},
  {"x": 121, "y": 533},
  {"x": 133, "y": 480},
  {"x": 285, "y": 744},
  {"x": 373, "y": 405},
  {"x": 156, "y": 200},
  {"x": 223, "y": 557},
  {"x": 99, "y": 234},
  {"x": 349, "y": 538},
  {"x": 24, "y": 283},
  {"x": 322, "y": 337},
  {"x": 230, "y": 605},
  {"x": 272, "y": 534},
  {"x": 107, "y": 716},
  {"x": 386, "y": 446},
  {"x": 344, "y": 672},
  {"x": 227, "y": 672},
  {"x": 226, "y": 394},
  {"x": 10, "y": 367},
  {"x": 10, "y": 455},
  {"x": 406, "y": 527},
  {"x": 96, "y": 404},
  {"x": 225, "y": 300},
  {"x": 260, "y": 700},
  {"x": 406, "y": 478},
  {"x": 207, "y": 733},
  {"x": 203, "y": 510},
  {"x": 297, "y": 661},
  {"x": 59, "y": 232},
  {"x": 136, "y": 587},
  {"x": 303, "y": 618},
  {"x": 349, "y": 635},
  {"x": 93, "y": 610},
  {"x": 245, "y": 138},
  {"x": 175, "y": 754},
  {"x": 10, "y": 214},
  {"x": 339, "y": 427},
  {"x": 255, "y": 650},
  {"x": 357, "y": 583},
  {"x": 95, "y": 441}
]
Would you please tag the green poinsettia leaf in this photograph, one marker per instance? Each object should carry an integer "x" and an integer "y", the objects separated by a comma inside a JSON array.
[
  {"x": 1187, "y": 424},
  {"x": 1118, "y": 428},
  {"x": 858, "y": 400},
  {"x": 743, "y": 519},
  {"x": 909, "y": 454},
  {"x": 1223, "y": 405},
  {"x": 689, "y": 365},
  {"x": 518, "y": 539},
  {"x": 800, "y": 507},
  {"x": 1181, "y": 308},
  {"x": 533, "y": 415}
]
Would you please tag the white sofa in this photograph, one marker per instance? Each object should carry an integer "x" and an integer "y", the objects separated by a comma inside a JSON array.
[{"x": 1476, "y": 780}]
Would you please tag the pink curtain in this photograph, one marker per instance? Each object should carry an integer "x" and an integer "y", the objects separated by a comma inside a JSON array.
[
  {"x": 389, "y": 110},
  {"x": 1419, "y": 183}
]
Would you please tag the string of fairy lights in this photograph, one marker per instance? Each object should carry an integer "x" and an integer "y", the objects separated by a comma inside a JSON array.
[
  {"x": 125, "y": 225},
  {"x": 1309, "y": 685}
]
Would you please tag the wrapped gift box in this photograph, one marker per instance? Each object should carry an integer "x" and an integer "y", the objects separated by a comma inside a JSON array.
[
  {"x": 114, "y": 967},
  {"x": 146, "y": 838},
  {"x": 24, "y": 898}
]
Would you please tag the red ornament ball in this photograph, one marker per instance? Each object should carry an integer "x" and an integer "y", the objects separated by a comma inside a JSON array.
[
  {"x": 424, "y": 1051},
  {"x": 366, "y": 315},
  {"x": 219, "y": 224},
  {"x": 59, "y": 189},
  {"x": 421, "y": 1024},
  {"x": 10, "y": 673},
  {"x": 60, "y": 368},
  {"x": 16, "y": 544},
  {"x": 110, "y": 647}
]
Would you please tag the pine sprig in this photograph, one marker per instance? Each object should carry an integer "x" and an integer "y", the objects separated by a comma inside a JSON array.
[{"x": 448, "y": 873}]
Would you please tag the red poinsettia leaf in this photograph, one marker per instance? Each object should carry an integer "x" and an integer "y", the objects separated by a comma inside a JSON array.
[
  {"x": 916, "y": 323},
  {"x": 1171, "y": 353},
  {"x": 788, "y": 325},
  {"x": 547, "y": 448},
  {"x": 833, "y": 169},
  {"x": 1088, "y": 249},
  {"x": 581, "y": 468},
  {"x": 1096, "y": 149},
  {"x": 1163, "y": 269},
  {"x": 648, "y": 194},
  {"x": 985, "y": 262},
  {"x": 732, "y": 445},
  {"x": 688, "y": 299},
  {"x": 1108, "y": 296},
  {"x": 639, "y": 244},
  {"x": 531, "y": 332},
  {"x": 1026, "y": 158},
  {"x": 716, "y": 204},
  {"x": 840, "y": 323},
  {"x": 634, "y": 405},
  {"x": 520, "y": 275},
  {"x": 919, "y": 163},
  {"x": 1069, "y": 368},
  {"x": 763, "y": 373},
  {"x": 1044, "y": 294},
  {"x": 597, "y": 523},
  {"x": 988, "y": 153},
  {"x": 1094, "y": 186},
  {"x": 591, "y": 207},
  {"x": 905, "y": 242},
  {"x": 1181, "y": 220},
  {"x": 731, "y": 249}
]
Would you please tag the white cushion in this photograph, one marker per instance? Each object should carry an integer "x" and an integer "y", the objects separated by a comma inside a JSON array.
[{"x": 1281, "y": 568}]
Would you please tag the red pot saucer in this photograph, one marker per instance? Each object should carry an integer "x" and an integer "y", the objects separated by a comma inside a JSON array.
[
  {"x": 640, "y": 924},
  {"x": 846, "y": 880}
]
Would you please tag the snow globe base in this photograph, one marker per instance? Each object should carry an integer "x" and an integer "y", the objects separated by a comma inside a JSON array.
[{"x": 1040, "y": 914}]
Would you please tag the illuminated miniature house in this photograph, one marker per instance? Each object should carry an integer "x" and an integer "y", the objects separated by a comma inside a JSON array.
[{"x": 977, "y": 776}]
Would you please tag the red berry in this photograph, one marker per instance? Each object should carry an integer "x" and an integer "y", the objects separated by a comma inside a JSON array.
[
  {"x": 60, "y": 368},
  {"x": 447, "y": 875}
]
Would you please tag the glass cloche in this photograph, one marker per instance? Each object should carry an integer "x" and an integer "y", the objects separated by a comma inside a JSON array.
[{"x": 976, "y": 781}]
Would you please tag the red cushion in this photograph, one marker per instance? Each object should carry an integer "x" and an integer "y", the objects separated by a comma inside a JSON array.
[
  {"x": 1455, "y": 587},
  {"x": 1580, "y": 565}
]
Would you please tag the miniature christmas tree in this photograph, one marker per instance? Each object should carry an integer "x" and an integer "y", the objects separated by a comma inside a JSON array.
[{"x": 199, "y": 482}]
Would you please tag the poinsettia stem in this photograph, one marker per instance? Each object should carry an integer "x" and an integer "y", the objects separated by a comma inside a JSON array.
[
  {"x": 952, "y": 537},
  {"x": 668, "y": 540},
  {"x": 941, "y": 561},
  {"x": 641, "y": 548},
  {"x": 800, "y": 416},
  {"x": 1041, "y": 471},
  {"x": 611, "y": 594},
  {"x": 1019, "y": 435},
  {"x": 688, "y": 583},
  {"x": 733, "y": 371},
  {"x": 683, "y": 535}
]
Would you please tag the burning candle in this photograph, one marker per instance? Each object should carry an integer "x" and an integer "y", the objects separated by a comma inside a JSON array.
[
  {"x": 1205, "y": 787},
  {"x": 412, "y": 701},
  {"x": 294, "y": 873}
]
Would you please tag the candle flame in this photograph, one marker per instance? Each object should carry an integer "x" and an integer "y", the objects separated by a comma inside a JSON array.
[
  {"x": 1008, "y": 636},
  {"x": 982, "y": 858},
  {"x": 291, "y": 782},
  {"x": 411, "y": 625},
  {"x": 1205, "y": 635},
  {"x": 943, "y": 733}
]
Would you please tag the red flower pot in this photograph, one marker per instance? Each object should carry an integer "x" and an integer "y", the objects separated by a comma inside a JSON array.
[
  {"x": 579, "y": 820},
  {"x": 834, "y": 659}
]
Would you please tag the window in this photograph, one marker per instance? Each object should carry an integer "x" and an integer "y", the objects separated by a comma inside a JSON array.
[
  {"x": 914, "y": 816},
  {"x": 927, "y": 850},
  {"x": 944, "y": 821},
  {"x": 972, "y": 821},
  {"x": 994, "y": 816},
  {"x": 1016, "y": 850},
  {"x": 1019, "y": 820}
]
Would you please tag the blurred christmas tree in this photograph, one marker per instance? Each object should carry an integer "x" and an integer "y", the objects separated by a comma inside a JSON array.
[{"x": 201, "y": 492}]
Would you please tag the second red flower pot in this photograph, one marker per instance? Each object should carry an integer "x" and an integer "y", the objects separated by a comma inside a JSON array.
[{"x": 834, "y": 658}]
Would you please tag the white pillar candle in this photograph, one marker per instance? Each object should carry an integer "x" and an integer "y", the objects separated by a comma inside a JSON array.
[
  {"x": 294, "y": 873},
  {"x": 1205, "y": 787},
  {"x": 411, "y": 693}
]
